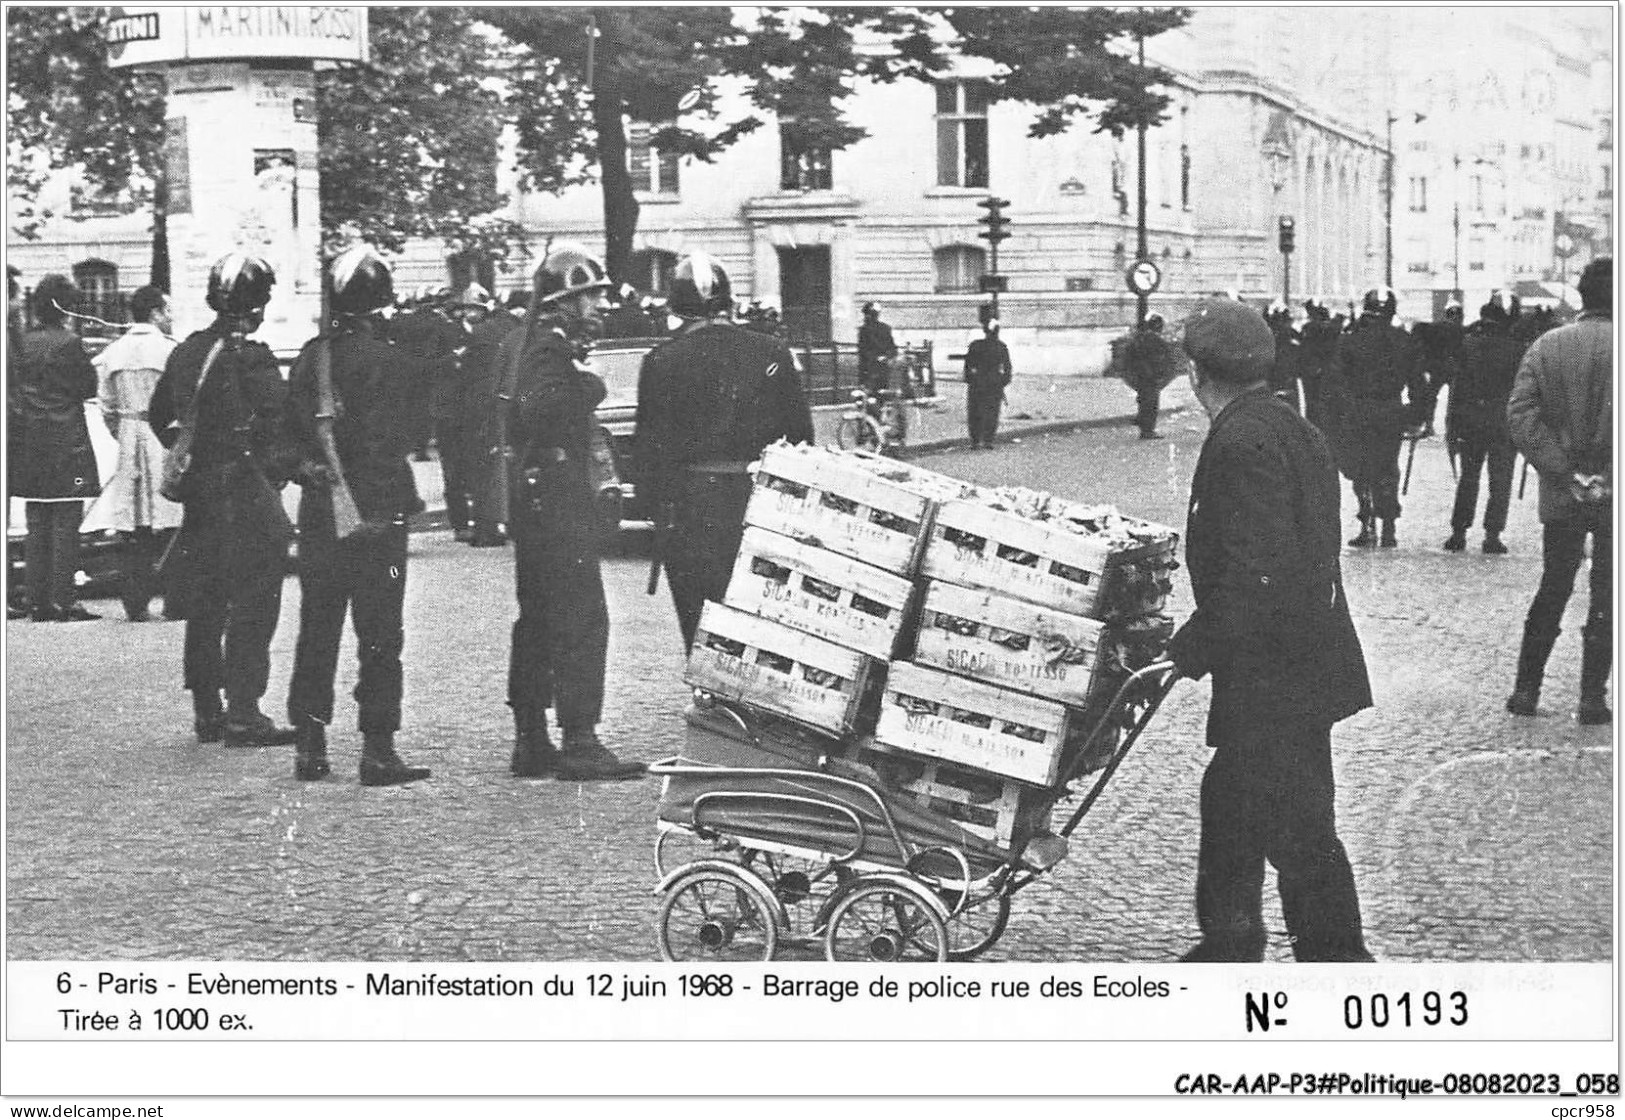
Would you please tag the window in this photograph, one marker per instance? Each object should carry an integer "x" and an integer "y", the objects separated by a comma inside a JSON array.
[
  {"x": 653, "y": 171},
  {"x": 1476, "y": 188},
  {"x": 98, "y": 282},
  {"x": 962, "y": 134},
  {"x": 1419, "y": 194},
  {"x": 652, "y": 271},
  {"x": 959, "y": 268},
  {"x": 802, "y": 166}
]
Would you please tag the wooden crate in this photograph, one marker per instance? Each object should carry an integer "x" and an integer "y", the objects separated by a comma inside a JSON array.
[
  {"x": 975, "y": 545},
  {"x": 1011, "y": 643},
  {"x": 769, "y": 665},
  {"x": 838, "y": 502},
  {"x": 929, "y": 712},
  {"x": 997, "y": 809},
  {"x": 821, "y": 593}
]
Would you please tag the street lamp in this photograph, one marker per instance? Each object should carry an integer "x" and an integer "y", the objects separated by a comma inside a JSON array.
[{"x": 1280, "y": 160}]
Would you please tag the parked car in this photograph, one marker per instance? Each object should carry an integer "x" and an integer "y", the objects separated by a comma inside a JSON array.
[{"x": 618, "y": 361}]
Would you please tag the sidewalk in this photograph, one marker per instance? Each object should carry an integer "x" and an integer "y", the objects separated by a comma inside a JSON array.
[{"x": 1033, "y": 405}]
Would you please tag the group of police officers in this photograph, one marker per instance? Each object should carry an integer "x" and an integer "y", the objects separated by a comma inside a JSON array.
[
  {"x": 1372, "y": 387},
  {"x": 513, "y": 404}
]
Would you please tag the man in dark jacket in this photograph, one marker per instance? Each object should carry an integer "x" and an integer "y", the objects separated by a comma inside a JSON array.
[
  {"x": 709, "y": 400},
  {"x": 225, "y": 569},
  {"x": 1561, "y": 414},
  {"x": 1284, "y": 375},
  {"x": 355, "y": 408},
  {"x": 1317, "y": 350},
  {"x": 1149, "y": 361},
  {"x": 543, "y": 404},
  {"x": 1379, "y": 366},
  {"x": 987, "y": 372},
  {"x": 876, "y": 350},
  {"x": 1272, "y": 625},
  {"x": 1439, "y": 346},
  {"x": 1476, "y": 426},
  {"x": 51, "y": 462}
]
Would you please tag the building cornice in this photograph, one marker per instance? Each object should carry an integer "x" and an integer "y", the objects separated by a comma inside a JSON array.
[{"x": 1249, "y": 84}]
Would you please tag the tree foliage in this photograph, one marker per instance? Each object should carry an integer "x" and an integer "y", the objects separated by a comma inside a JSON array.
[
  {"x": 666, "y": 65},
  {"x": 408, "y": 144}
]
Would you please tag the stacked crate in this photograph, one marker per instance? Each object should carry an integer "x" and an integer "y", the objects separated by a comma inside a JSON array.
[
  {"x": 1033, "y": 613},
  {"x": 822, "y": 588},
  {"x": 960, "y": 641}
]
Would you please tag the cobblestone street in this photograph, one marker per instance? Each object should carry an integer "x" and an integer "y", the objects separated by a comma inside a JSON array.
[{"x": 1475, "y": 836}]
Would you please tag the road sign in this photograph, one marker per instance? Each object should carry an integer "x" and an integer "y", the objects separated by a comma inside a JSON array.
[
  {"x": 1144, "y": 277},
  {"x": 991, "y": 282}
]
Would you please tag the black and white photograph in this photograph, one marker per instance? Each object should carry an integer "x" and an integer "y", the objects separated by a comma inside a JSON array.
[{"x": 1026, "y": 491}]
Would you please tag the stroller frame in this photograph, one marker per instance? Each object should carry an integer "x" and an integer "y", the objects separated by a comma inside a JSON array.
[{"x": 716, "y": 909}]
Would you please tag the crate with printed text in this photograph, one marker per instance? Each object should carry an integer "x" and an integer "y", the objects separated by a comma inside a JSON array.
[
  {"x": 998, "y": 809},
  {"x": 774, "y": 667},
  {"x": 1086, "y": 560},
  {"x": 1010, "y": 642},
  {"x": 930, "y": 712},
  {"x": 868, "y": 508},
  {"x": 822, "y": 593}
]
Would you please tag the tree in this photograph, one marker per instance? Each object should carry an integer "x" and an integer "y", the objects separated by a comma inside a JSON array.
[
  {"x": 656, "y": 64},
  {"x": 408, "y": 144}
]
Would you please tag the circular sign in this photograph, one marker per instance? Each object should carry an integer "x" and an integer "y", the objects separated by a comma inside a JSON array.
[
  {"x": 1565, "y": 245},
  {"x": 1143, "y": 277}
]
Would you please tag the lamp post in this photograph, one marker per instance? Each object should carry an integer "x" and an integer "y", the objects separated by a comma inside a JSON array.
[
  {"x": 1388, "y": 206},
  {"x": 1141, "y": 252},
  {"x": 1280, "y": 160}
]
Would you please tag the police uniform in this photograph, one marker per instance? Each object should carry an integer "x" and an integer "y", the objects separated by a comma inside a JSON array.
[
  {"x": 876, "y": 349},
  {"x": 379, "y": 397},
  {"x": 225, "y": 569},
  {"x": 480, "y": 372},
  {"x": 1477, "y": 432},
  {"x": 709, "y": 401},
  {"x": 1383, "y": 376}
]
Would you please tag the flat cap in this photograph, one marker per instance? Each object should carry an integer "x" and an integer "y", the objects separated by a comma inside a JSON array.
[{"x": 1229, "y": 340}]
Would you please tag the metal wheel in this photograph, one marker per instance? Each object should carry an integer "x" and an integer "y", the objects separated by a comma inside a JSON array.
[
  {"x": 860, "y": 432},
  {"x": 973, "y": 930},
  {"x": 887, "y": 922},
  {"x": 717, "y": 915}
]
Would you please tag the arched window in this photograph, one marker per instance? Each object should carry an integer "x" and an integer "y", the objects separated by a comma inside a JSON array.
[
  {"x": 98, "y": 280},
  {"x": 652, "y": 271},
  {"x": 959, "y": 268}
]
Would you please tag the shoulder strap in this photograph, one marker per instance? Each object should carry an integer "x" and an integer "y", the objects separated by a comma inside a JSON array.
[
  {"x": 188, "y": 422},
  {"x": 326, "y": 398}
]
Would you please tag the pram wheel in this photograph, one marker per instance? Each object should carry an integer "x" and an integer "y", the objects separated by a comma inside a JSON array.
[
  {"x": 717, "y": 915},
  {"x": 973, "y": 930},
  {"x": 887, "y": 922}
]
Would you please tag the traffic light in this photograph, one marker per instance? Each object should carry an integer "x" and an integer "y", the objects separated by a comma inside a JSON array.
[
  {"x": 1288, "y": 231},
  {"x": 994, "y": 220}
]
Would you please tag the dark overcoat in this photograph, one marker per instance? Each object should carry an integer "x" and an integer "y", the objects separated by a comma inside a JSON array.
[
  {"x": 50, "y": 454},
  {"x": 1262, "y": 546}
]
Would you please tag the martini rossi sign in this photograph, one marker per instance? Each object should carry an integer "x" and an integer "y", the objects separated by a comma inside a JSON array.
[{"x": 154, "y": 36}]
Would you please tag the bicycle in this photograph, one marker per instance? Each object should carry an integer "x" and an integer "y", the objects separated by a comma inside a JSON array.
[{"x": 876, "y": 422}]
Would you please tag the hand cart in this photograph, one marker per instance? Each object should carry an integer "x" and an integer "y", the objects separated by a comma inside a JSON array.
[{"x": 811, "y": 849}]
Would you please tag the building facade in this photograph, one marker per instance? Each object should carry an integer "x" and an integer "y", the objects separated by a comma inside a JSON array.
[{"x": 1276, "y": 112}]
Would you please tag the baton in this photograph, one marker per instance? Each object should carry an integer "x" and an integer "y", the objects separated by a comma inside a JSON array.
[
  {"x": 1410, "y": 461},
  {"x": 662, "y": 528},
  {"x": 1523, "y": 479}
]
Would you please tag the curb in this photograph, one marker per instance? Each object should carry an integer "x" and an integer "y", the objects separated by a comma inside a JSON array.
[{"x": 932, "y": 446}]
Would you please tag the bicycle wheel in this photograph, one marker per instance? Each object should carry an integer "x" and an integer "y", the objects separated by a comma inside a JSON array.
[{"x": 860, "y": 432}]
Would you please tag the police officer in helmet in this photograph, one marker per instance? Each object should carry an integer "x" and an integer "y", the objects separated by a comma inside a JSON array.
[
  {"x": 709, "y": 401},
  {"x": 356, "y": 405},
  {"x": 543, "y": 411},
  {"x": 224, "y": 395}
]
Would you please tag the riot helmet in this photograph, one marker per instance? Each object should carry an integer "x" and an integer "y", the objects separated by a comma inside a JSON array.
[
  {"x": 700, "y": 287},
  {"x": 239, "y": 284},
  {"x": 569, "y": 270},
  {"x": 362, "y": 282},
  {"x": 1380, "y": 302}
]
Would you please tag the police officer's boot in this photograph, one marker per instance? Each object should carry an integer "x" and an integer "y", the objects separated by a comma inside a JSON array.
[
  {"x": 310, "y": 751},
  {"x": 381, "y": 766},
  {"x": 533, "y": 754},
  {"x": 1596, "y": 662},
  {"x": 1366, "y": 538},
  {"x": 1537, "y": 647},
  {"x": 584, "y": 759},
  {"x": 1389, "y": 538},
  {"x": 208, "y": 716},
  {"x": 247, "y": 726}
]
